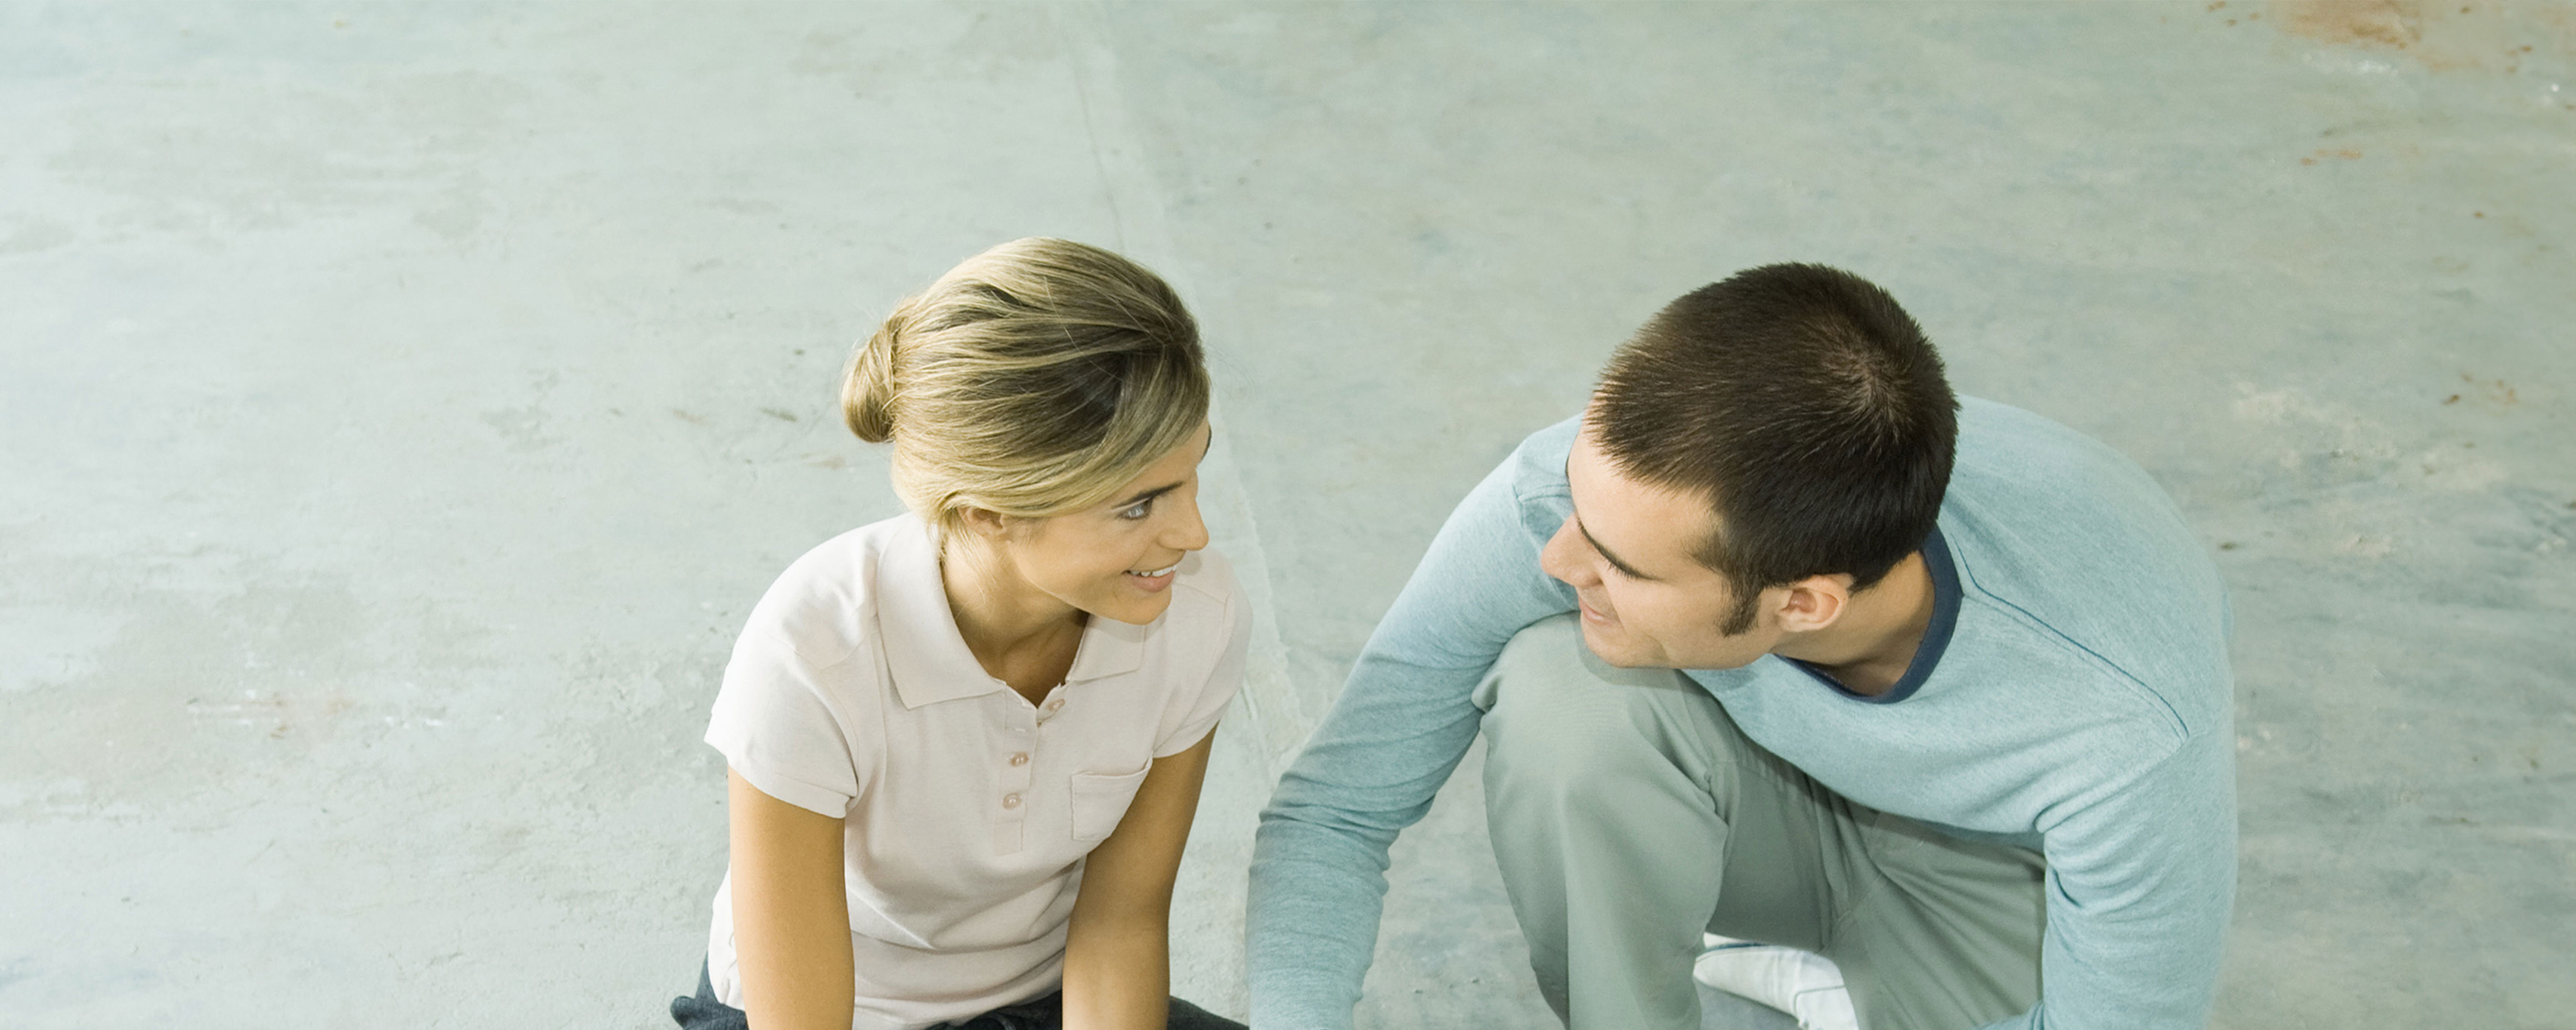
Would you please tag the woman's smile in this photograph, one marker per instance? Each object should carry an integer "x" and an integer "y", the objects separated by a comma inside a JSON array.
[{"x": 1154, "y": 581}]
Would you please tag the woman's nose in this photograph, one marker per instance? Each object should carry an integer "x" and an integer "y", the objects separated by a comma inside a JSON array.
[{"x": 1188, "y": 531}]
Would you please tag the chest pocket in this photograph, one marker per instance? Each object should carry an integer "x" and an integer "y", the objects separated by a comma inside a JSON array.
[{"x": 1100, "y": 800}]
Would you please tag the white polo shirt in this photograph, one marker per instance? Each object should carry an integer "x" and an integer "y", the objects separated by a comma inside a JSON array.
[{"x": 969, "y": 810}]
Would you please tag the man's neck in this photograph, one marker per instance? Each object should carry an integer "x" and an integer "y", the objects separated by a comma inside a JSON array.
[{"x": 1869, "y": 649}]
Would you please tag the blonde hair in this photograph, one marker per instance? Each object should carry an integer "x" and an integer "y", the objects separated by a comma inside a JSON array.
[{"x": 1033, "y": 380}]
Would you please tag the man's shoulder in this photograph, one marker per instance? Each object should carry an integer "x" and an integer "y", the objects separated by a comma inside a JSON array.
[
  {"x": 1999, "y": 439},
  {"x": 1537, "y": 466},
  {"x": 2043, "y": 500},
  {"x": 1523, "y": 496},
  {"x": 2071, "y": 537}
]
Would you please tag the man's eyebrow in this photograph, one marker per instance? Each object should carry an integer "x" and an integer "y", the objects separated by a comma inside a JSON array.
[{"x": 1613, "y": 559}]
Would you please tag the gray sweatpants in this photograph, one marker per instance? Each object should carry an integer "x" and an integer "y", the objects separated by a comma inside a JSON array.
[{"x": 1629, "y": 814}]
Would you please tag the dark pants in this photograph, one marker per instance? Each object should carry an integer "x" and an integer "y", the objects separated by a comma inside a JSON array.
[{"x": 704, "y": 1012}]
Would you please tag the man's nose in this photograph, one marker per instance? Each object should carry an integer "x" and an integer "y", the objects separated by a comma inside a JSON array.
[{"x": 1562, "y": 557}]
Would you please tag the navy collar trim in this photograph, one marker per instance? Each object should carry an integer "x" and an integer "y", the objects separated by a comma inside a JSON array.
[{"x": 1936, "y": 637}]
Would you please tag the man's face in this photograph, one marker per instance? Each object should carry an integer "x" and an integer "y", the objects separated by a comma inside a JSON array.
[{"x": 1627, "y": 551}]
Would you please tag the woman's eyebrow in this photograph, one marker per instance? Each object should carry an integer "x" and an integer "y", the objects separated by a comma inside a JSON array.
[
  {"x": 1147, "y": 495},
  {"x": 1168, "y": 487}
]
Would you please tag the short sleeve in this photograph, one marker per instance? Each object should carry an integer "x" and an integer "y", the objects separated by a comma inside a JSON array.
[
  {"x": 1203, "y": 703},
  {"x": 775, "y": 729}
]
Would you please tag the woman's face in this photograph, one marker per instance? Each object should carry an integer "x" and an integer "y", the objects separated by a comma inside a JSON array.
[{"x": 1116, "y": 561}]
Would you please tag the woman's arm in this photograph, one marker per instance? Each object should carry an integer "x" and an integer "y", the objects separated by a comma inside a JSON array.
[
  {"x": 1117, "y": 958},
  {"x": 791, "y": 923}
]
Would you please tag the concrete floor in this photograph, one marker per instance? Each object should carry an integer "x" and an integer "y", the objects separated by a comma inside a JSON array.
[{"x": 400, "y": 406}]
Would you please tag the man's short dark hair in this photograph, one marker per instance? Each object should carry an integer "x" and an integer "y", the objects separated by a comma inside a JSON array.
[{"x": 1809, "y": 409}]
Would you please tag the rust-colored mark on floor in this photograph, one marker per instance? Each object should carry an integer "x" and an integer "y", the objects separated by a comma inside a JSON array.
[
  {"x": 2369, "y": 23},
  {"x": 2497, "y": 36},
  {"x": 2493, "y": 390},
  {"x": 2347, "y": 155}
]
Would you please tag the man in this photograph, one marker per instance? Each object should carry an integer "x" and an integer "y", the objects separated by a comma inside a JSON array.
[{"x": 1953, "y": 709}]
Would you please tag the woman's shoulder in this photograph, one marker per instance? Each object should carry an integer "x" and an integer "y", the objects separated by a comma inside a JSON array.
[
  {"x": 822, "y": 606},
  {"x": 1206, "y": 580},
  {"x": 1210, "y": 613},
  {"x": 1206, "y": 637}
]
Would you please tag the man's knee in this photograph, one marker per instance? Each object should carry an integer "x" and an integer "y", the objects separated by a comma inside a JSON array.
[{"x": 1560, "y": 719}]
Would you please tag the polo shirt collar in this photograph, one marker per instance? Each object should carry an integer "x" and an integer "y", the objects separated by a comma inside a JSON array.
[
  {"x": 1109, "y": 648},
  {"x": 928, "y": 657}
]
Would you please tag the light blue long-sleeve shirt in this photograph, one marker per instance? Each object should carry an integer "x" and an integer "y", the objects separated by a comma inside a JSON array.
[{"x": 2082, "y": 708}]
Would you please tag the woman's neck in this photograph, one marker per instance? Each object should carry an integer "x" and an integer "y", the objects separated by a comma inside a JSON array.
[{"x": 1021, "y": 635}]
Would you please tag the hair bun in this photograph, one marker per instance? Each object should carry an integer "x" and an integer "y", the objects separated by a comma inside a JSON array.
[
  {"x": 867, "y": 392},
  {"x": 1033, "y": 379}
]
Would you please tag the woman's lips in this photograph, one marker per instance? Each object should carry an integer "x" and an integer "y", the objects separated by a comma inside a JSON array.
[{"x": 1156, "y": 581}]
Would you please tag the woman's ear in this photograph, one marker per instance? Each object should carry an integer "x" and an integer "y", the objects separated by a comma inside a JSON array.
[{"x": 987, "y": 525}]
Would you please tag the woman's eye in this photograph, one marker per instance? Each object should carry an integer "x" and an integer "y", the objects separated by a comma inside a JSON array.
[{"x": 1139, "y": 511}]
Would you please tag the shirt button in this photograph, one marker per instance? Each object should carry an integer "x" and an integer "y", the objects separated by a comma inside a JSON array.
[
  {"x": 1010, "y": 801},
  {"x": 1055, "y": 704},
  {"x": 1021, "y": 758}
]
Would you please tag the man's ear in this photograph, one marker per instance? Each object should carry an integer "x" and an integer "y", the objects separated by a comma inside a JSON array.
[{"x": 1813, "y": 603}]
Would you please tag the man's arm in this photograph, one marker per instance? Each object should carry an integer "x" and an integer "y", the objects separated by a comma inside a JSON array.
[
  {"x": 1392, "y": 738},
  {"x": 2140, "y": 883}
]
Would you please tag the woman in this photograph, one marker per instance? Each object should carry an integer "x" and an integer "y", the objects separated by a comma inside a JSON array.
[{"x": 939, "y": 726}]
